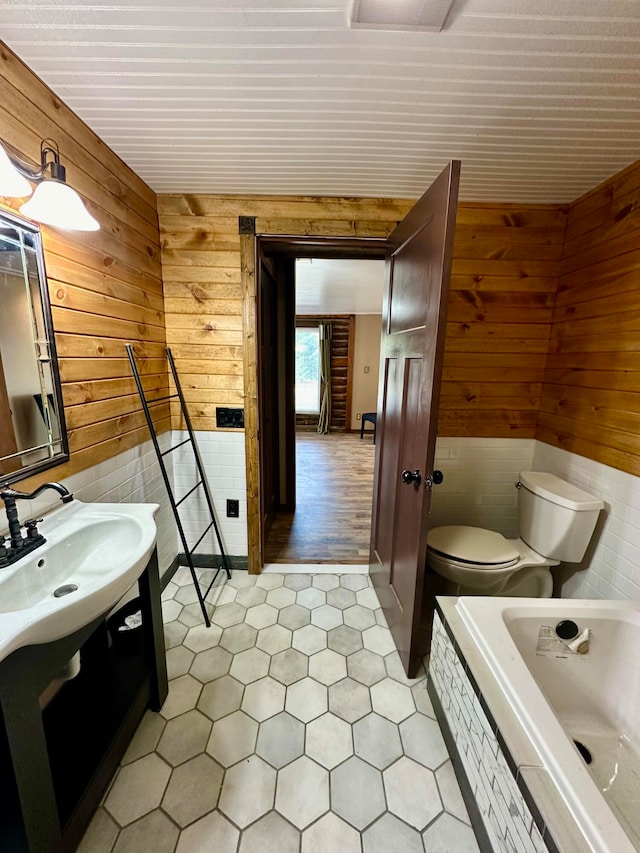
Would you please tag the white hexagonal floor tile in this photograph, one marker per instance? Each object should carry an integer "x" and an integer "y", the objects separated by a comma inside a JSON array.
[
  {"x": 197, "y": 836},
  {"x": 297, "y": 582},
  {"x": 359, "y": 617},
  {"x": 183, "y": 696},
  {"x": 200, "y": 637},
  {"x": 378, "y": 640},
  {"x": 281, "y": 597},
  {"x": 263, "y": 699},
  {"x": 448, "y": 835},
  {"x": 274, "y": 639},
  {"x": 341, "y": 598},
  {"x": 354, "y": 582},
  {"x": 247, "y": 791},
  {"x": 412, "y": 793},
  {"x": 281, "y": 740},
  {"x": 349, "y": 699},
  {"x": 294, "y": 616},
  {"x": 193, "y": 790},
  {"x": 184, "y": 737},
  {"x": 330, "y": 835},
  {"x": 377, "y": 741},
  {"x": 138, "y": 788},
  {"x": 344, "y": 640},
  {"x": 366, "y": 667},
  {"x": 270, "y": 834},
  {"x": 233, "y": 738},
  {"x": 309, "y": 639},
  {"x": 228, "y": 614},
  {"x": 289, "y": 666},
  {"x": 306, "y": 699},
  {"x": 261, "y": 616},
  {"x": 251, "y": 596},
  {"x": 153, "y": 832},
  {"x": 422, "y": 740},
  {"x": 390, "y": 835},
  {"x": 326, "y": 617},
  {"x": 250, "y": 665},
  {"x": 172, "y": 609},
  {"x": 329, "y": 741},
  {"x": 327, "y": 667},
  {"x": 325, "y": 581},
  {"x": 302, "y": 794},
  {"x": 220, "y": 697},
  {"x": 270, "y": 580},
  {"x": 392, "y": 700},
  {"x": 311, "y": 598},
  {"x": 211, "y": 664},
  {"x": 179, "y": 659},
  {"x": 357, "y": 794},
  {"x": 368, "y": 598},
  {"x": 238, "y": 638}
]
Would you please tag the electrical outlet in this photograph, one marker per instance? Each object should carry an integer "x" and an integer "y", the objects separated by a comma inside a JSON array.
[
  {"x": 358, "y": 416},
  {"x": 233, "y": 508}
]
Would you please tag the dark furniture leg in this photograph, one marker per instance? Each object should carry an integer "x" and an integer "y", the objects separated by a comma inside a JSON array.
[{"x": 149, "y": 586}]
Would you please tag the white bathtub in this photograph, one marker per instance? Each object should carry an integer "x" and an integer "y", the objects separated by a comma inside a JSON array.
[{"x": 559, "y": 697}]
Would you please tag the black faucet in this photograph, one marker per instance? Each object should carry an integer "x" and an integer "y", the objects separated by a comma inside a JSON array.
[{"x": 19, "y": 545}]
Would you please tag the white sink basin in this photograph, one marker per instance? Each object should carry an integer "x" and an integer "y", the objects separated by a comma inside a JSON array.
[{"x": 99, "y": 548}]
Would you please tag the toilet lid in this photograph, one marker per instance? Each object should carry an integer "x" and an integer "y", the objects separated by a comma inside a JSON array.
[{"x": 472, "y": 545}]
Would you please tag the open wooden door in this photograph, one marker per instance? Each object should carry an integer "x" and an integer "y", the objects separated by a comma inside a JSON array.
[{"x": 413, "y": 316}]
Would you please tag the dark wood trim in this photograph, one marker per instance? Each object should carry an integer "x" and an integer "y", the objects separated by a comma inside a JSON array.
[
  {"x": 248, "y": 250},
  {"x": 350, "y": 358}
]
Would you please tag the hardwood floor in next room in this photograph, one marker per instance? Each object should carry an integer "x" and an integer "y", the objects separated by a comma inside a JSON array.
[{"x": 332, "y": 521}]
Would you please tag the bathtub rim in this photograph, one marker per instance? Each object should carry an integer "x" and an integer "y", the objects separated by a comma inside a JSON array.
[
  {"x": 555, "y": 752},
  {"x": 523, "y": 759}
]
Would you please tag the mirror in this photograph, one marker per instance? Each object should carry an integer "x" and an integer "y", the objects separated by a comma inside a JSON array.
[{"x": 32, "y": 430}]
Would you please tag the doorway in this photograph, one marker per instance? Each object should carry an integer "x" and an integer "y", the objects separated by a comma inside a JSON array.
[
  {"x": 334, "y": 466},
  {"x": 317, "y": 472}
]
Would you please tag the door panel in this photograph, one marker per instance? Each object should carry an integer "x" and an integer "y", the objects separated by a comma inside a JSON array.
[{"x": 418, "y": 271}]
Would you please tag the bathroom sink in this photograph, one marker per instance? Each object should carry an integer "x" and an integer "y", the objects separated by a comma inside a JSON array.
[{"x": 92, "y": 556}]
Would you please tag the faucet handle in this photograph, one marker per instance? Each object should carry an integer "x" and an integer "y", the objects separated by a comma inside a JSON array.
[{"x": 31, "y": 526}]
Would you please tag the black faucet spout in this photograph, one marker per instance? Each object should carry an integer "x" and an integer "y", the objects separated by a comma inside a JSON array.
[{"x": 18, "y": 543}]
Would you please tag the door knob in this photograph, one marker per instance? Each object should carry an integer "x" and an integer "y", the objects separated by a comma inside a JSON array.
[
  {"x": 434, "y": 480},
  {"x": 409, "y": 477}
]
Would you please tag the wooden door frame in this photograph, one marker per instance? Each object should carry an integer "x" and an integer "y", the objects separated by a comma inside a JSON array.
[{"x": 294, "y": 245}]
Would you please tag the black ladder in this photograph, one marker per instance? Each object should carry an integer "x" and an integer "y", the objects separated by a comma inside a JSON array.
[{"x": 202, "y": 482}]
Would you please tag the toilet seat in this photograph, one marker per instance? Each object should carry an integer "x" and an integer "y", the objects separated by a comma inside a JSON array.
[{"x": 475, "y": 547}]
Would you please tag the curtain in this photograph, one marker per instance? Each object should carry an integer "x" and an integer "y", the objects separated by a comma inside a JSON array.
[{"x": 324, "y": 418}]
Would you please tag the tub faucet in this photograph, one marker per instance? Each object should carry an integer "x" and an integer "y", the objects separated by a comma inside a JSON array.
[{"x": 19, "y": 545}]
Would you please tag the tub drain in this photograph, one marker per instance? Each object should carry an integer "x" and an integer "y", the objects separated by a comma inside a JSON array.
[{"x": 584, "y": 752}]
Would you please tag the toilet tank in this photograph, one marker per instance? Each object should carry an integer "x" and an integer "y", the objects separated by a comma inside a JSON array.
[{"x": 555, "y": 518}]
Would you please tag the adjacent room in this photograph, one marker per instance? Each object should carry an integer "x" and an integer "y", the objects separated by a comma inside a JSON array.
[{"x": 319, "y": 448}]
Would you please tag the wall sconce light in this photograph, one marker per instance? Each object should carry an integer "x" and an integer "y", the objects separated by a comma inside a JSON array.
[{"x": 53, "y": 202}]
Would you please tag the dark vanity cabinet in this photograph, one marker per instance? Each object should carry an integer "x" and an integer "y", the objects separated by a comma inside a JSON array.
[{"x": 56, "y": 762}]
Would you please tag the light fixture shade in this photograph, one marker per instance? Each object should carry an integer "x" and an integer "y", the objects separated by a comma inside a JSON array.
[
  {"x": 12, "y": 184},
  {"x": 57, "y": 204}
]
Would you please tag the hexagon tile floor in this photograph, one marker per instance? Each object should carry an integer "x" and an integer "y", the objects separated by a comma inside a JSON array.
[{"x": 290, "y": 727}]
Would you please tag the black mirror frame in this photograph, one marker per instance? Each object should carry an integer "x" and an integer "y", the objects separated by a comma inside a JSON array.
[{"x": 63, "y": 456}]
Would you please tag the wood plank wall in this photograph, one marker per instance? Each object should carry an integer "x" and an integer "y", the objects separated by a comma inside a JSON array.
[
  {"x": 105, "y": 287},
  {"x": 591, "y": 396},
  {"x": 500, "y": 310},
  {"x": 342, "y": 329}
]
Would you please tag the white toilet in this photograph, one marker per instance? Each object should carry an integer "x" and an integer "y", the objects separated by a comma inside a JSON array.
[{"x": 555, "y": 521}]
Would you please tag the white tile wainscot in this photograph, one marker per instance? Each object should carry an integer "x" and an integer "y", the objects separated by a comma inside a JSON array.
[
  {"x": 611, "y": 568},
  {"x": 132, "y": 476},
  {"x": 223, "y": 459},
  {"x": 493, "y": 758}
]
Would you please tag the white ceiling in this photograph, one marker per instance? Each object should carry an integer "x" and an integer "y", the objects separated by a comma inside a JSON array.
[
  {"x": 327, "y": 286},
  {"x": 539, "y": 99}
]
